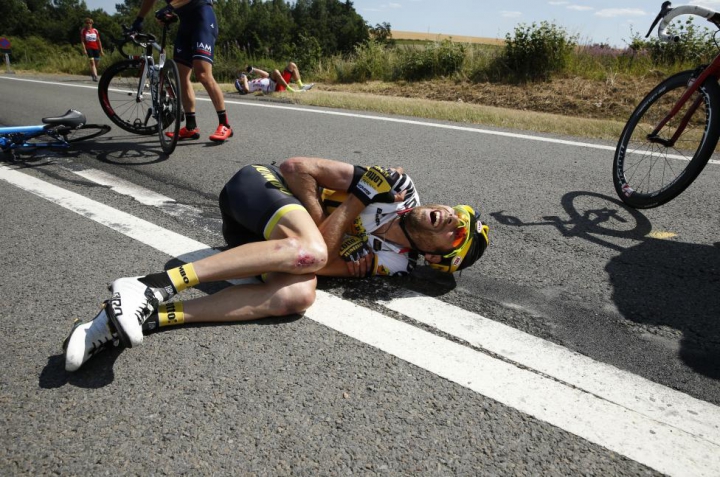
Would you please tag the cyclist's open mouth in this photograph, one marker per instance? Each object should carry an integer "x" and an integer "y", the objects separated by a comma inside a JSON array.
[
  {"x": 439, "y": 217},
  {"x": 435, "y": 217}
]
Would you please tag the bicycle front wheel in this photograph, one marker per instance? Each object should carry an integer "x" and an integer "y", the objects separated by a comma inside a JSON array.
[
  {"x": 169, "y": 106},
  {"x": 85, "y": 132},
  {"x": 648, "y": 173},
  {"x": 118, "y": 94}
]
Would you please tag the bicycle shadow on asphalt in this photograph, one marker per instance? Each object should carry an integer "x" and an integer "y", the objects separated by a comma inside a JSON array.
[
  {"x": 656, "y": 283},
  {"x": 106, "y": 149},
  {"x": 123, "y": 152}
]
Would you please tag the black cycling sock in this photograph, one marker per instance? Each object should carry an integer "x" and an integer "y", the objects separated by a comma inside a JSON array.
[
  {"x": 222, "y": 117},
  {"x": 190, "y": 123},
  {"x": 151, "y": 324},
  {"x": 160, "y": 281}
]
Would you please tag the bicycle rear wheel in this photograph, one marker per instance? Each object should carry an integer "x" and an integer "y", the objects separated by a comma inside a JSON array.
[
  {"x": 117, "y": 91},
  {"x": 169, "y": 106},
  {"x": 647, "y": 173},
  {"x": 85, "y": 132}
]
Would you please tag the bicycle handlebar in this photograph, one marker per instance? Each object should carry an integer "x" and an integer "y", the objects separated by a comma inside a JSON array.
[
  {"x": 140, "y": 39},
  {"x": 668, "y": 14}
]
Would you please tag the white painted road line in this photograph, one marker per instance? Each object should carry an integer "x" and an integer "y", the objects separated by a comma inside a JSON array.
[
  {"x": 141, "y": 194},
  {"x": 169, "y": 242},
  {"x": 665, "y": 448},
  {"x": 629, "y": 427},
  {"x": 527, "y": 137},
  {"x": 604, "y": 381}
]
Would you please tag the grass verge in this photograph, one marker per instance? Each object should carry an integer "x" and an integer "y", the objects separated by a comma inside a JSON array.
[{"x": 456, "y": 112}]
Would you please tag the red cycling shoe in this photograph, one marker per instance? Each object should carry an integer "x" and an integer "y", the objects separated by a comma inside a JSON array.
[
  {"x": 222, "y": 133},
  {"x": 186, "y": 133}
]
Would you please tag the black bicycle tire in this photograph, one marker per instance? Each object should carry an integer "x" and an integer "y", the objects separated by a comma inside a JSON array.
[
  {"x": 653, "y": 198},
  {"x": 105, "y": 101},
  {"x": 98, "y": 130},
  {"x": 167, "y": 143}
]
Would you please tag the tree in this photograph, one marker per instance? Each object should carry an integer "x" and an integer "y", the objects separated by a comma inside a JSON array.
[
  {"x": 13, "y": 20},
  {"x": 381, "y": 33}
]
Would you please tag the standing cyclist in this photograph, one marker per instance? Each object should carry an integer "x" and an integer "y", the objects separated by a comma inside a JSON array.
[{"x": 194, "y": 52}]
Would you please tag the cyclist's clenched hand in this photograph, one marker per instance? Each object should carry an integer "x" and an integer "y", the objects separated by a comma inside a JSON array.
[
  {"x": 357, "y": 255},
  {"x": 166, "y": 14},
  {"x": 137, "y": 25}
]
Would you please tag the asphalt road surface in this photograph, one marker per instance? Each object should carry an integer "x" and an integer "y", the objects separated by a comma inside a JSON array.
[{"x": 586, "y": 341}]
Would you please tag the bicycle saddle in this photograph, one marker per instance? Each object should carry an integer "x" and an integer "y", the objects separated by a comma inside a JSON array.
[{"x": 71, "y": 118}]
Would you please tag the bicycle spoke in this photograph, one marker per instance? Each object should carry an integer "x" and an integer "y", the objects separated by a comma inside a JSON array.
[{"x": 117, "y": 92}]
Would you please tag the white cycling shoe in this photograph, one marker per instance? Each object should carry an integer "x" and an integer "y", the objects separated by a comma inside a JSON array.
[
  {"x": 87, "y": 339},
  {"x": 131, "y": 304}
]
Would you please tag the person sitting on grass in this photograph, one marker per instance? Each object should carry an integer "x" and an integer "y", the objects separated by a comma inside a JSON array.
[{"x": 275, "y": 81}]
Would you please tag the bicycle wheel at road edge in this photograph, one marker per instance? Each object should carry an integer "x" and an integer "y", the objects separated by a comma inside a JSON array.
[
  {"x": 170, "y": 106},
  {"x": 648, "y": 174},
  {"x": 117, "y": 92}
]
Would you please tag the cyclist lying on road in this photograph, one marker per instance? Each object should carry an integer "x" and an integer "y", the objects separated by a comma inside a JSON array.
[
  {"x": 307, "y": 217},
  {"x": 274, "y": 81}
]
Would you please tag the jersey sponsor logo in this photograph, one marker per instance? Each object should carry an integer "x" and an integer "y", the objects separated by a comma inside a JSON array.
[
  {"x": 203, "y": 48},
  {"x": 378, "y": 216},
  {"x": 375, "y": 178},
  {"x": 272, "y": 180},
  {"x": 365, "y": 190}
]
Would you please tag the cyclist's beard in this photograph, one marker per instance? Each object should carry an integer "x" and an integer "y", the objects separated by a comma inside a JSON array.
[{"x": 419, "y": 234}]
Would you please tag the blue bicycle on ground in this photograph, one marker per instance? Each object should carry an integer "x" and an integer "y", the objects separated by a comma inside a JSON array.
[{"x": 56, "y": 133}]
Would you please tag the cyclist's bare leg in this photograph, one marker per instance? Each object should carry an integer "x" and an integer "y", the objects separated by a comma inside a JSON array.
[
  {"x": 294, "y": 71},
  {"x": 295, "y": 251},
  {"x": 282, "y": 294},
  {"x": 296, "y": 246},
  {"x": 93, "y": 68},
  {"x": 188, "y": 94},
  {"x": 203, "y": 73},
  {"x": 277, "y": 77}
]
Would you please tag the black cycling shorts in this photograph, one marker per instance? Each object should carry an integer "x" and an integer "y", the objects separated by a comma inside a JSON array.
[
  {"x": 252, "y": 203},
  {"x": 196, "y": 34}
]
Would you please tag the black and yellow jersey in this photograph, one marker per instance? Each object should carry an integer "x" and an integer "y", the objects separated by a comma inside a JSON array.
[{"x": 390, "y": 258}]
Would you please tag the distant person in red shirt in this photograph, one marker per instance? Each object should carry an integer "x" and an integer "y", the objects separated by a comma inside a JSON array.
[{"x": 90, "y": 39}]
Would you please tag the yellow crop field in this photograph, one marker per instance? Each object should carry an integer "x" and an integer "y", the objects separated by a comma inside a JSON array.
[{"x": 410, "y": 35}]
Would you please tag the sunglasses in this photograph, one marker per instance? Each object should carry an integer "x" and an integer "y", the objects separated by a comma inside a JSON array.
[{"x": 462, "y": 234}]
